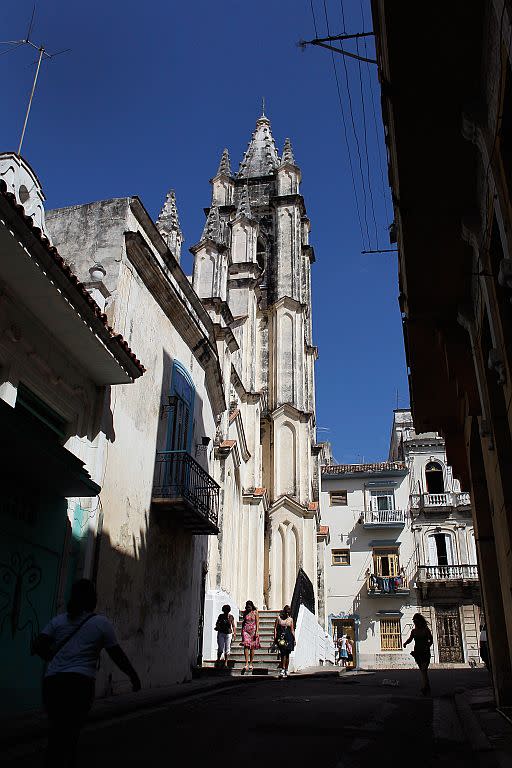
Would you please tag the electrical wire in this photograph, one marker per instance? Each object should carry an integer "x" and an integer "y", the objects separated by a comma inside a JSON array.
[
  {"x": 365, "y": 134},
  {"x": 314, "y": 18},
  {"x": 378, "y": 140},
  {"x": 345, "y": 131},
  {"x": 351, "y": 110}
]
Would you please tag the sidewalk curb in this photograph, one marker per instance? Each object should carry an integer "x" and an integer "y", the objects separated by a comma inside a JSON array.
[
  {"x": 471, "y": 726},
  {"x": 32, "y": 727}
]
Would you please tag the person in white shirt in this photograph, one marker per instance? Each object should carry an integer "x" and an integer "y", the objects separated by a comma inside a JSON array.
[{"x": 71, "y": 644}]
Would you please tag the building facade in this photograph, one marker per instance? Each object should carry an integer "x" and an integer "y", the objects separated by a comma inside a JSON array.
[
  {"x": 58, "y": 357},
  {"x": 401, "y": 542},
  {"x": 159, "y": 501},
  {"x": 453, "y": 222},
  {"x": 252, "y": 273}
]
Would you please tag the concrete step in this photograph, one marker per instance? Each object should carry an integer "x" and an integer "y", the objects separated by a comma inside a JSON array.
[{"x": 237, "y": 665}]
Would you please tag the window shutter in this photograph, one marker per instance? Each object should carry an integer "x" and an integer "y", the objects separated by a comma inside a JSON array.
[
  {"x": 432, "y": 551},
  {"x": 449, "y": 548}
]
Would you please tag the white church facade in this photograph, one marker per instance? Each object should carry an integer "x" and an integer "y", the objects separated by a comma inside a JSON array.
[{"x": 252, "y": 274}]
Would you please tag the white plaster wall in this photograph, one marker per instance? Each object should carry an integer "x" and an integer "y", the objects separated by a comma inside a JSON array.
[{"x": 345, "y": 586}]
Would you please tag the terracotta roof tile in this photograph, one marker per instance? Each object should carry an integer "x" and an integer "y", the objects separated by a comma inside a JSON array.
[
  {"x": 313, "y": 506},
  {"x": 72, "y": 278},
  {"x": 227, "y": 444},
  {"x": 323, "y": 530},
  {"x": 380, "y": 466},
  {"x": 259, "y": 491}
]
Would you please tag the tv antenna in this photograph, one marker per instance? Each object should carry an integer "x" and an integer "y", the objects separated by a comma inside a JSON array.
[{"x": 42, "y": 54}]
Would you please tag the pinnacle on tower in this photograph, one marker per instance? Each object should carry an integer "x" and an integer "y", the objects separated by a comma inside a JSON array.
[
  {"x": 261, "y": 158},
  {"x": 212, "y": 227},
  {"x": 168, "y": 224},
  {"x": 287, "y": 157},
  {"x": 244, "y": 206},
  {"x": 224, "y": 166},
  {"x": 168, "y": 216}
]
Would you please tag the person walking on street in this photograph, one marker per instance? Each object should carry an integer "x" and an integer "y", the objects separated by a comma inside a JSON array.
[
  {"x": 284, "y": 638},
  {"x": 250, "y": 634},
  {"x": 423, "y": 640},
  {"x": 71, "y": 644},
  {"x": 226, "y": 631},
  {"x": 342, "y": 646}
]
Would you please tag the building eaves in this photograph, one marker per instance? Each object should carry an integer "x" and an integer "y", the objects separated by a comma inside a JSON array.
[{"x": 76, "y": 292}]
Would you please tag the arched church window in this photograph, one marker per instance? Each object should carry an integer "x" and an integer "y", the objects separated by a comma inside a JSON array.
[{"x": 434, "y": 477}]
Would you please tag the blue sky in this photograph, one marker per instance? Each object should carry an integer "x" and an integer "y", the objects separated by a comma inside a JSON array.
[{"x": 147, "y": 99}]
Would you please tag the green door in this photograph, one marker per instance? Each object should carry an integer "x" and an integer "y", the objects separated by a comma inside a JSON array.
[{"x": 32, "y": 535}]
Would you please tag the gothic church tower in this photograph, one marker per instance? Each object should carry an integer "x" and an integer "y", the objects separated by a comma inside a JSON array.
[{"x": 252, "y": 272}]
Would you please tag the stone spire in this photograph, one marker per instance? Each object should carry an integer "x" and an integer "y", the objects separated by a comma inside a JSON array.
[
  {"x": 244, "y": 206},
  {"x": 224, "y": 166},
  {"x": 287, "y": 157},
  {"x": 261, "y": 158},
  {"x": 169, "y": 226},
  {"x": 212, "y": 227}
]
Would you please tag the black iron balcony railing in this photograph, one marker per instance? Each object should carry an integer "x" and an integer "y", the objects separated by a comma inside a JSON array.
[{"x": 182, "y": 484}]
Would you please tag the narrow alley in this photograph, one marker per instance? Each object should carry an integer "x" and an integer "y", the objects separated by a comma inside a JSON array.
[{"x": 334, "y": 721}]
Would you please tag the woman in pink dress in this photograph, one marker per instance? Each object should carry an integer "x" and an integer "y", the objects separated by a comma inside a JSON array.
[{"x": 250, "y": 634}]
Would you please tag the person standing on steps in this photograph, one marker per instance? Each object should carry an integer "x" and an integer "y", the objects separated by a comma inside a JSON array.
[
  {"x": 284, "y": 638},
  {"x": 250, "y": 634},
  {"x": 423, "y": 641},
  {"x": 71, "y": 644},
  {"x": 226, "y": 631}
]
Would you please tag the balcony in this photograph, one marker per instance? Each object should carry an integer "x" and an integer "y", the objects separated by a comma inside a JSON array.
[
  {"x": 448, "y": 575},
  {"x": 384, "y": 518},
  {"x": 386, "y": 586},
  {"x": 432, "y": 502},
  {"x": 185, "y": 493}
]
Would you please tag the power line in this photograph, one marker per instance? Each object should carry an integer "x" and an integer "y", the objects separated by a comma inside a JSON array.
[
  {"x": 345, "y": 131},
  {"x": 365, "y": 204},
  {"x": 365, "y": 134},
  {"x": 314, "y": 18}
]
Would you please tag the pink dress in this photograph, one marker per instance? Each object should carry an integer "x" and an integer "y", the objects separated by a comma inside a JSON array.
[{"x": 249, "y": 637}]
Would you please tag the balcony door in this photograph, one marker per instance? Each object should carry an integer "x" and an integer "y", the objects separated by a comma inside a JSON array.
[
  {"x": 181, "y": 414},
  {"x": 440, "y": 549},
  {"x": 180, "y": 427},
  {"x": 434, "y": 477},
  {"x": 385, "y": 562}
]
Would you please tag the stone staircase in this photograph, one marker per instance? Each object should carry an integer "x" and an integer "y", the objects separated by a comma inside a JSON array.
[{"x": 265, "y": 661}]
